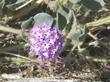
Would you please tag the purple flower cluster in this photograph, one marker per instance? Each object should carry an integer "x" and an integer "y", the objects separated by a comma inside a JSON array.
[{"x": 45, "y": 41}]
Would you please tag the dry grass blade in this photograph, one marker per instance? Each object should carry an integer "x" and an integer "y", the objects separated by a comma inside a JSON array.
[
  {"x": 9, "y": 29},
  {"x": 23, "y": 57}
]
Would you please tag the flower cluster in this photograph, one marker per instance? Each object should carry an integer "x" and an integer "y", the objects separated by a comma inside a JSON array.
[{"x": 45, "y": 41}]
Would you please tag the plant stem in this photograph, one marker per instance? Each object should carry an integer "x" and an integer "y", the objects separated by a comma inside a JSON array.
[
  {"x": 99, "y": 22},
  {"x": 12, "y": 60},
  {"x": 70, "y": 34},
  {"x": 102, "y": 60},
  {"x": 92, "y": 36},
  {"x": 9, "y": 29},
  {"x": 12, "y": 47},
  {"x": 20, "y": 56}
]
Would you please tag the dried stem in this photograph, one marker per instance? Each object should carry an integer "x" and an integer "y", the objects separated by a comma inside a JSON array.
[
  {"x": 99, "y": 22},
  {"x": 22, "y": 57},
  {"x": 102, "y": 60},
  {"x": 9, "y": 29}
]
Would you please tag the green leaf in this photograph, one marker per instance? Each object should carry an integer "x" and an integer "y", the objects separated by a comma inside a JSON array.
[
  {"x": 93, "y": 5},
  {"x": 10, "y": 1},
  {"x": 27, "y": 23},
  {"x": 66, "y": 13},
  {"x": 61, "y": 21},
  {"x": 25, "y": 26},
  {"x": 13, "y": 6},
  {"x": 77, "y": 35},
  {"x": 102, "y": 3},
  {"x": 2, "y": 3},
  {"x": 64, "y": 17},
  {"x": 43, "y": 18},
  {"x": 76, "y": 7}
]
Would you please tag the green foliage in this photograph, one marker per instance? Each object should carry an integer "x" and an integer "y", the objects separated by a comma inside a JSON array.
[
  {"x": 13, "y": 6},
  {"x": 61, "y": 24},
  {"x": 101, "y": 2},
  {"x": 78, "y": 36},
  {"x": 27, "y": 23},
  {"x": 93, "y": 5},
  {"x": 64, "y": 17},
  {"x": 72, "y": 17},
  {"x": 65, "y": 14},
  {"x": 2, "y": 3}
]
